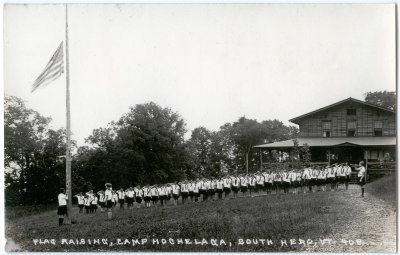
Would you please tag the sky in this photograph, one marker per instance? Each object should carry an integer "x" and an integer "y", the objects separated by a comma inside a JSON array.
[{"x": 212, "y": 63}]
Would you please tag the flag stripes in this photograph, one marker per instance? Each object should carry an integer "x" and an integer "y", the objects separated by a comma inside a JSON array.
[{"x": 53, "y": 69}]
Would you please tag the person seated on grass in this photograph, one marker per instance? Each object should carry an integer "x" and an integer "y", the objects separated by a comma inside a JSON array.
[{"x": 62, "y": 206}]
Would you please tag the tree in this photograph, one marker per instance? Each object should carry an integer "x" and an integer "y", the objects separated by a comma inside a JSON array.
[
  {"x": 32, "y": 152},
  {"x": 154, "y": 137},
  {"x": 145, "y": 146},
  {"x": 300, "y": 155},
  {"x": 385, "y": 99},
  {"x": 275, "y": 131},
  {"x": 199, "y": 146},
  {"x": 211, "y": 153},
  {"x": 222, "y": 151},
  {"x": 246, "y": 134}
]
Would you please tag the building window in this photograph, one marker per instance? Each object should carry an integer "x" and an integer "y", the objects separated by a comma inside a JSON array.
[
  {"x": 378, "y": 128},
  {"x": 351, "y": 128},
  {"x": 326, "y": 128},
  {"x": 326, "y": 125},
  {"x": 378, "y": 124},
  {"x": 351, "y": 112}
]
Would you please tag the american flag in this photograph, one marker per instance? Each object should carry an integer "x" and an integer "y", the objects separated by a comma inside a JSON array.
[{"x": 53, "y": 70}]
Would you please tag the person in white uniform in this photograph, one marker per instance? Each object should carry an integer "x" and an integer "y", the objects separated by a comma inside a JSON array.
[
  {"x": 62, "y": 206},
  {"x": 361, "y": 176},
  {"x": 109, "y": 200},
  {"x": 80, "y": 198}
]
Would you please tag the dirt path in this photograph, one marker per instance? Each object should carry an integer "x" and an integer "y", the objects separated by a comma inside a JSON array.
[{"x": 368, "y": 219}]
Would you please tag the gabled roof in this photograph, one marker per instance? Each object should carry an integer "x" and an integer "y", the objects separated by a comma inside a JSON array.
[
  {"x": 350, "y": 99},
  {"x": 333, "y": 141}
]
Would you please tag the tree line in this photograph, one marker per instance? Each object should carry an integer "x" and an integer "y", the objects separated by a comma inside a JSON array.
[{"x": 146, "y": 145}]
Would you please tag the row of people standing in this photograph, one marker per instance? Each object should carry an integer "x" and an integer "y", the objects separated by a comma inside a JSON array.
[
  {"x": 309, "y": 179},
  {"x": 295, "y": 181}
]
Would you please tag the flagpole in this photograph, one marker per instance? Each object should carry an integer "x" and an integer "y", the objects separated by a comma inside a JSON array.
[{"x": 68, "y": 149}]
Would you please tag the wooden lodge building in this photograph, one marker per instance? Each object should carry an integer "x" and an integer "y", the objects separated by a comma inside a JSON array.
[{"x": 347, "y": 131}]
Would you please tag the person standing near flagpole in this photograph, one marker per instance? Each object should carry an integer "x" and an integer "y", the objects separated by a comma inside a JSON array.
[
  {"x": 52, "y": 71},
  {"x": 68, "y": 115},
  {"x": 62, "y": 206}
]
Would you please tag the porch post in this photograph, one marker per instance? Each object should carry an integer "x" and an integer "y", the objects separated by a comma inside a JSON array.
[
  {"x": 329, "y": 157},
  {"x": 366, "y": 163}
]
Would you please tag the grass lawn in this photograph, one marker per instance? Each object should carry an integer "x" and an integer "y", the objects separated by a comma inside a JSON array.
[
  {"x": 16, "y": 212},
  {"x": 385, "y": 189},
  {"x": 303, "y": 216}
]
